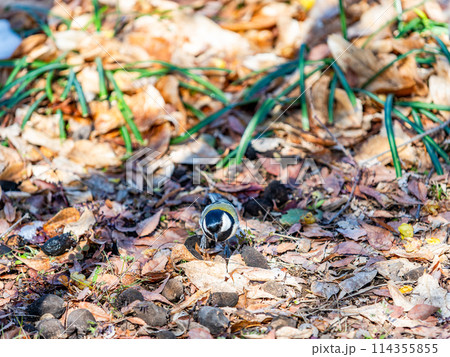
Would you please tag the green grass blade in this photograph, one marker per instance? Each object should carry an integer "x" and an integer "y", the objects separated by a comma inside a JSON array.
[
  {"x": 97, "y": 17},
  {"x": 390, "y": 22},
  {"x": 443, "y": 47},
  {"x": 81, "y": 97},
  {"x": 208, "y": 120},
  {"x": 390, "y": 134},
  {"x": 102, "y": 90},
  {"x": 32, "y": 108},
  {"x": 30, "y": 76},
  {"x": 433, "y": 157},
  {"x": 202, "y": 90},
  {"x": 218, "y": 94},
  {"x": 48, "y": 86},
  {"x": 68, "y": 86},
  {"x": 126, "y": 138},
  {"x": 345, "y": 84},
  {"x": 281, "y": 70},
  {"x": 198, "y": 113},
  {"x": 342, "y": 19},
  {"x": 420, "y": 105},
  {"x": 417, "y": 128},
  {"x": 22, "y": 63},
  {"x": 333, "y": 85},
  {"x": 303, "y": 104},
  {"x": 434, "y": 118},
  {"x": 259, "y": 117},
  {"x": 62, "y": 125},
  {"x": 124, "y": 108}
]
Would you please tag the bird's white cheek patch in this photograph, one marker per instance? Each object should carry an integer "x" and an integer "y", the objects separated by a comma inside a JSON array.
[{"x": 226, "y": 223}]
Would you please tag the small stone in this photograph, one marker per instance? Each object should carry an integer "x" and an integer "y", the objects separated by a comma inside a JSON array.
[
  {"x": 304, "y": 245},
  {"x": 78, "y": 323},
  {"x": 126, "y": 297},
  {"x": 253, "y": 258},
  {"x": 282, "y": 321},
  {"x": 165, "y": 335},
  {"x": 414, "y": 274},
  {"x": 152, "y": 314},
  {"x": 221, "y": 299},
  {"x": 58, "y": 245},
  {"x": 173, "y": 290},
  {"x": 273, "y": 287},
  {"x": 213, "y": 318},
  {"x": 50, "y": 329},
  {"x": 47, "y": 304}
]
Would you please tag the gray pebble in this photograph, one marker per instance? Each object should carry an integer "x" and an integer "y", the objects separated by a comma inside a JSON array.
[
  {"x": 282, "y": 321},
  {"x": 273, "y": 287},
  {"x": 152, "y": 314},
  {"x": 253, "y": 258},
  {"x": 78, "y": 323},
  {"x": 213, "y": 318},
  {"x": 173, "y": 290},
  {"x": 50, "y": 329},
  {"x": 221, "y": 299},
  {"x": 126, "y": 297},
  {"x": 47, "y": 304},
  {"x": 165, "y": 335}
]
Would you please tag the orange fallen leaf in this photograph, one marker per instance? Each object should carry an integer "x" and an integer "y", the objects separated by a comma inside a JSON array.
[
  {"x": 63, "y": 217},
  {"x": 97, "y": 311}
]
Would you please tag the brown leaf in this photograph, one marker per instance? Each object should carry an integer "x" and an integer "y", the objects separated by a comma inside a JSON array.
[
  {"x": 180, "y": 252},
  {"x": 418, "y": 189},
  {"x": 170, "y": 237},
  {"x": 314, "y": 230},
  {"x": 147, "y": 226},
  {"x": 356, "y": 282},
  {"x": 422, "y": 311},
  {"x": 62, "y": 218},
  {"x": 190, "y": 301},
  {"x": 381, "y": 198},
  {"x": 284, "y": 247},
  {"x": 97, "y": 311},
  {"x": 350, "y": 248},
  {"x": 155, "y": 266},
  {"x": 153, "y": 296},
  {"x": 378, "y": 237},
  {"x": 136, "y": 321},
  {"x": 199, "y": 333},
  {"x": 38, "y": 264},
  {"x": 107, "y": 281}
]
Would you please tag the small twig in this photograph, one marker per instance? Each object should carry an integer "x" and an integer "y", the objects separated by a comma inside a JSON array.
[{"x": 14, "y": 226}]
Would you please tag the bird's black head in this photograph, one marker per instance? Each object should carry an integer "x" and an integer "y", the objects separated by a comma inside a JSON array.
[{"x": 218, "y": 224}]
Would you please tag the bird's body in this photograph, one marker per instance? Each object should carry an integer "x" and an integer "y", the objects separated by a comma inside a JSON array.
[{"x": 219, "y": 220}]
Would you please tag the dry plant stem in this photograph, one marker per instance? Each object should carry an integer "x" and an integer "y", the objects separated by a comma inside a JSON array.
[{"x": 14, "y": 226}]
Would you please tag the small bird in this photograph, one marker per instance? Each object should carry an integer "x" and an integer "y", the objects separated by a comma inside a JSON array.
[{"x": 219, "y": 221}]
